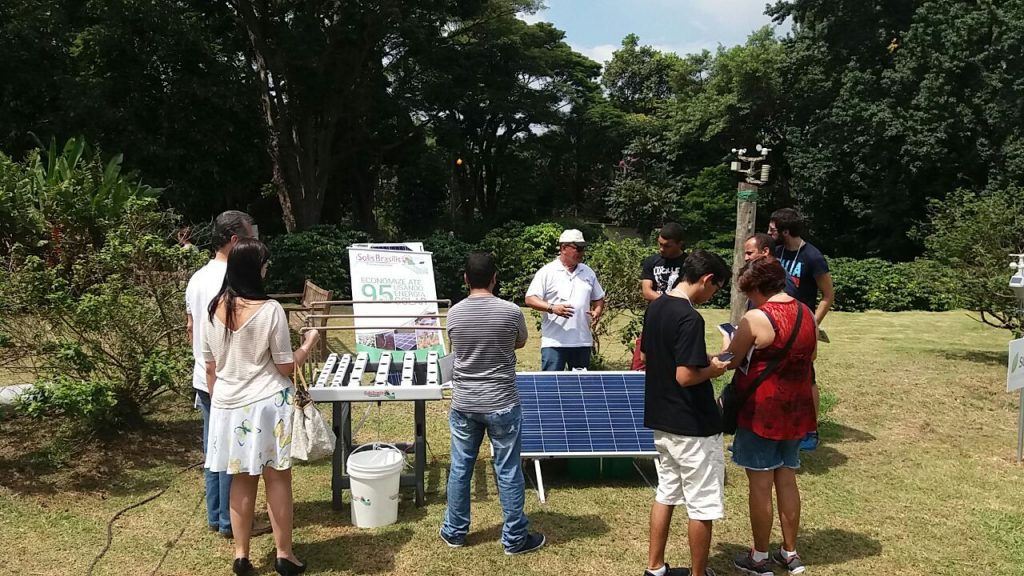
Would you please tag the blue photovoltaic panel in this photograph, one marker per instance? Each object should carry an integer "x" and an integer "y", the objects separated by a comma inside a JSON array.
[{"x": 584, "y": 413}]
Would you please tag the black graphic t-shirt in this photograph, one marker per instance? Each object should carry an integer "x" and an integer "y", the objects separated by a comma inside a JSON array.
[
  {"x": 662, "y": 271},
  {"x": 674, "y": 336},
  {"x": 803, "y": 266}
]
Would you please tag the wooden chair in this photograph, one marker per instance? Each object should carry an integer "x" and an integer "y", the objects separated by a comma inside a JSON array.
[{"x": 311, "y": 302}]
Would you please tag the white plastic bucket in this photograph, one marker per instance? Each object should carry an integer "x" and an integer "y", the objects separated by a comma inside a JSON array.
[{"x": 375, "y": 476}]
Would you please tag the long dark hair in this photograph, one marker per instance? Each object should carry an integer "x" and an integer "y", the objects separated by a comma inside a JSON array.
[{"x": 244, "y": 278}]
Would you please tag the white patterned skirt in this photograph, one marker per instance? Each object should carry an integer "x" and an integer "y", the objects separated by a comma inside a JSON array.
[{"x": 244, "y": 440}]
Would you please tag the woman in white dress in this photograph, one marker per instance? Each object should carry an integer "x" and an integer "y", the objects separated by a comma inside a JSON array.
[{"x": 249, "y": 363}]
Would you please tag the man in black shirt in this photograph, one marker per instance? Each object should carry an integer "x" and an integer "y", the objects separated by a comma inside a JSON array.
[
  {"x": 806, "y": 267},
  {"x": 679, "y": 405},
  {"x": 661, "y": 270}
]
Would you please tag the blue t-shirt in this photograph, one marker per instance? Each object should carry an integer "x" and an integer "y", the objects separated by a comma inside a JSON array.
[{"x": 802, "y": 266}]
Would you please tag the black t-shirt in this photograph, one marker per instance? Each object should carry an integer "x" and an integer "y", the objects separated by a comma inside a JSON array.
[
  {"x": 674, "y": 336},
  {"x": 803, "y": 266},
  {"x": 662, "y": 271}
]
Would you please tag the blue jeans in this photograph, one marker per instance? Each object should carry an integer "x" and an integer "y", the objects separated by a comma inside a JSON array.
[
  {"x": 556, "y": 359},
  {"x": 218, "y": 484},
  {"x": 755, "y": 452},
  {"x": 504, "y": 428}
]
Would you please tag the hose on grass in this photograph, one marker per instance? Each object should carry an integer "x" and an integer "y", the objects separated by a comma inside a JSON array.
[
  {"x": 110, "y": 523},
  {"x": 173, "y": 543}
]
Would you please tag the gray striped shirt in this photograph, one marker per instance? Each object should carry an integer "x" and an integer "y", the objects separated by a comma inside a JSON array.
[{"x": 483, "y": 331}]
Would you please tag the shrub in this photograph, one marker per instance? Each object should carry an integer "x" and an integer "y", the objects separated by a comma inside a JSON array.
[
  {"x": 875, "y": 284},
  {"x": 520, "y": 251},
  {"x": 319, "y": 254},
  {"x": 93, "y": 291},
  {"x": 973, "y": 234},
  {"x": 449, "y": 257},
  {"x": 617, "y": 265}
]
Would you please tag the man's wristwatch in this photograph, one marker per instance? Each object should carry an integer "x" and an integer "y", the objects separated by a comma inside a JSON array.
[{"x": 551, "y": 308}]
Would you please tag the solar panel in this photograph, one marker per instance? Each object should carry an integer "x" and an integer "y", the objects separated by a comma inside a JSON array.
[{"x": 568, "y": 414}]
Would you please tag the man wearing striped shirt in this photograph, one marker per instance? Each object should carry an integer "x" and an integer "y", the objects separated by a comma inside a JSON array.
[{"x": 485, "y": 332}]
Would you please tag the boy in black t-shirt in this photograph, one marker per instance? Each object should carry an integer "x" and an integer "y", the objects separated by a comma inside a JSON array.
[
  {"x": 660, "y": 272},
  {"x": 679, "y": 405}
]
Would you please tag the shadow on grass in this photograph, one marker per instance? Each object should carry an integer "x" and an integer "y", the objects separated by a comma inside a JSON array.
[
  {"x": 587, "y": 473},
  {"x": 997, "y": 358},
  {"x": 33, "y": 461},
  {"x": 367, "y": 552},
  {"x": 817, "y": 547},
  {"x": 821, "y": 460},
  {"x": 559, "y": 528},
  {"x": 835, "y": 432}
]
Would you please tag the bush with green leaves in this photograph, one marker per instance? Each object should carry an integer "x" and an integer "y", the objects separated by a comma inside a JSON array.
[
  {"x": 520, "y": 251},
  {"x": 617, "y": 265},
  {"x": 973, "y": 233},
  {"x": 875, "y": 284},
  {"x": 449, "y": 254},
  {"x": 319, "y": 254},
  {"x": 92, "y": 299}
]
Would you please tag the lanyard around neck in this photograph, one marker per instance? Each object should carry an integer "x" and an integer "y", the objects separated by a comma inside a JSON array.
[{"x": 791, "y": 268}]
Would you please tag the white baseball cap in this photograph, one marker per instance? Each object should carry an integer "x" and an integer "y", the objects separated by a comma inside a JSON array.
[{"x": 571, "y": 237}]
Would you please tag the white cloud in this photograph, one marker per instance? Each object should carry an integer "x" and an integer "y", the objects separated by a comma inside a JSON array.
[
  {"x": 687, "y": 48},
  {"x": 745, "y": 15},
  {"x": 601, "y": 53},
  {"x": 532, "y": 18}
]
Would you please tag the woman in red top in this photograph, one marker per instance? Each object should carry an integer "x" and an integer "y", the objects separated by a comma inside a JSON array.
[{"x": 778, "y": 414}]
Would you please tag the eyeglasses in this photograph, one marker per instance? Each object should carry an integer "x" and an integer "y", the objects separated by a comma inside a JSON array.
[
  {"x": 578, "y": 247},
  {"x": 772, "y": 228}
]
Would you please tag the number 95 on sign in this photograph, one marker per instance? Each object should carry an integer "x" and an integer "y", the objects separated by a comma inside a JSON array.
[{"x": 378, "y": 291}]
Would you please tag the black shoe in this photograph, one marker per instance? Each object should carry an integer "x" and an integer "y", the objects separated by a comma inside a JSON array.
[
  {"x": 670, "y": 571},
  {"x": 242, "y": 567},
  {"x": 533, "y": 542},
  {"x": 286, "y": 567}
]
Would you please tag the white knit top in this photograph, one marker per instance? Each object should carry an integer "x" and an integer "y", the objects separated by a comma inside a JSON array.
[{"x": 246, "y": 358}]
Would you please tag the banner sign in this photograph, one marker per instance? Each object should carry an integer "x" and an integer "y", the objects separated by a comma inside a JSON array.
[
  {"x": 394, "y": 272},
  {"x": 1015, "y": 367}
]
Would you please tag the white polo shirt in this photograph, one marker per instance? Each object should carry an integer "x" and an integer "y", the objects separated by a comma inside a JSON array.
[{"x": 556, "y": 285}]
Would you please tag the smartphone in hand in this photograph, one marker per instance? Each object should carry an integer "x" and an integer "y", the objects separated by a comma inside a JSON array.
[
  {"x": 727, "y": 329},
  {"x": 726, "y": 356}
]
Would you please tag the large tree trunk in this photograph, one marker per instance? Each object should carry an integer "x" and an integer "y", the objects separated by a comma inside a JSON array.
[{"x": 302, "y": 116}]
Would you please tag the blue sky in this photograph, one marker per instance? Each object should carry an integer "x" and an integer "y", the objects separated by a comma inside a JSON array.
[{"x": 596, "y": 27}]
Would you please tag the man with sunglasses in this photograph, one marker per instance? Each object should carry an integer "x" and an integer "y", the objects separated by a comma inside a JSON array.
[{"x": 568, "y": 293}]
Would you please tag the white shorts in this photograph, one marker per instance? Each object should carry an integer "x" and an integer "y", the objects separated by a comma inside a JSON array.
[{"x": 691, "y": 471}]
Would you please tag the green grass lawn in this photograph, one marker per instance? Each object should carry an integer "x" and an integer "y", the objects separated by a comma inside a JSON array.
[{"x": 916, "y": 476}]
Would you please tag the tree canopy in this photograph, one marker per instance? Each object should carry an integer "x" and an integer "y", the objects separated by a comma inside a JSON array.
[{"x": 404, "y": 117}]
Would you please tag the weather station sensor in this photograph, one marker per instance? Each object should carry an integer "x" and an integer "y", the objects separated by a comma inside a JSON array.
[{"x": 1017, "y": 280}]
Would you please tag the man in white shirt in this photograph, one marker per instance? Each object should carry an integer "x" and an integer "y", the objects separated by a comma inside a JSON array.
[
  {"x": 202, "y": 288},
  {"x": 567, "y": 291}
]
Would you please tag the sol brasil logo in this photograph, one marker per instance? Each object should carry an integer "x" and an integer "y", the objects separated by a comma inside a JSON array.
[{"x": 362, "y": 500}]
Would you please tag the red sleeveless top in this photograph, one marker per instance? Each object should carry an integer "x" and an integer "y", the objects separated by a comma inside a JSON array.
[{"x": 782, "y": 408}]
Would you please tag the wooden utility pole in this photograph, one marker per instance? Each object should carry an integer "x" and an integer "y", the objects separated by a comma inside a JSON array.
[{"x": 746, "y": 215}]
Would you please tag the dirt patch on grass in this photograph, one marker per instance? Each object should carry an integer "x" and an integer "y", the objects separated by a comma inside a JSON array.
[{"x": 36, "y": 459}]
